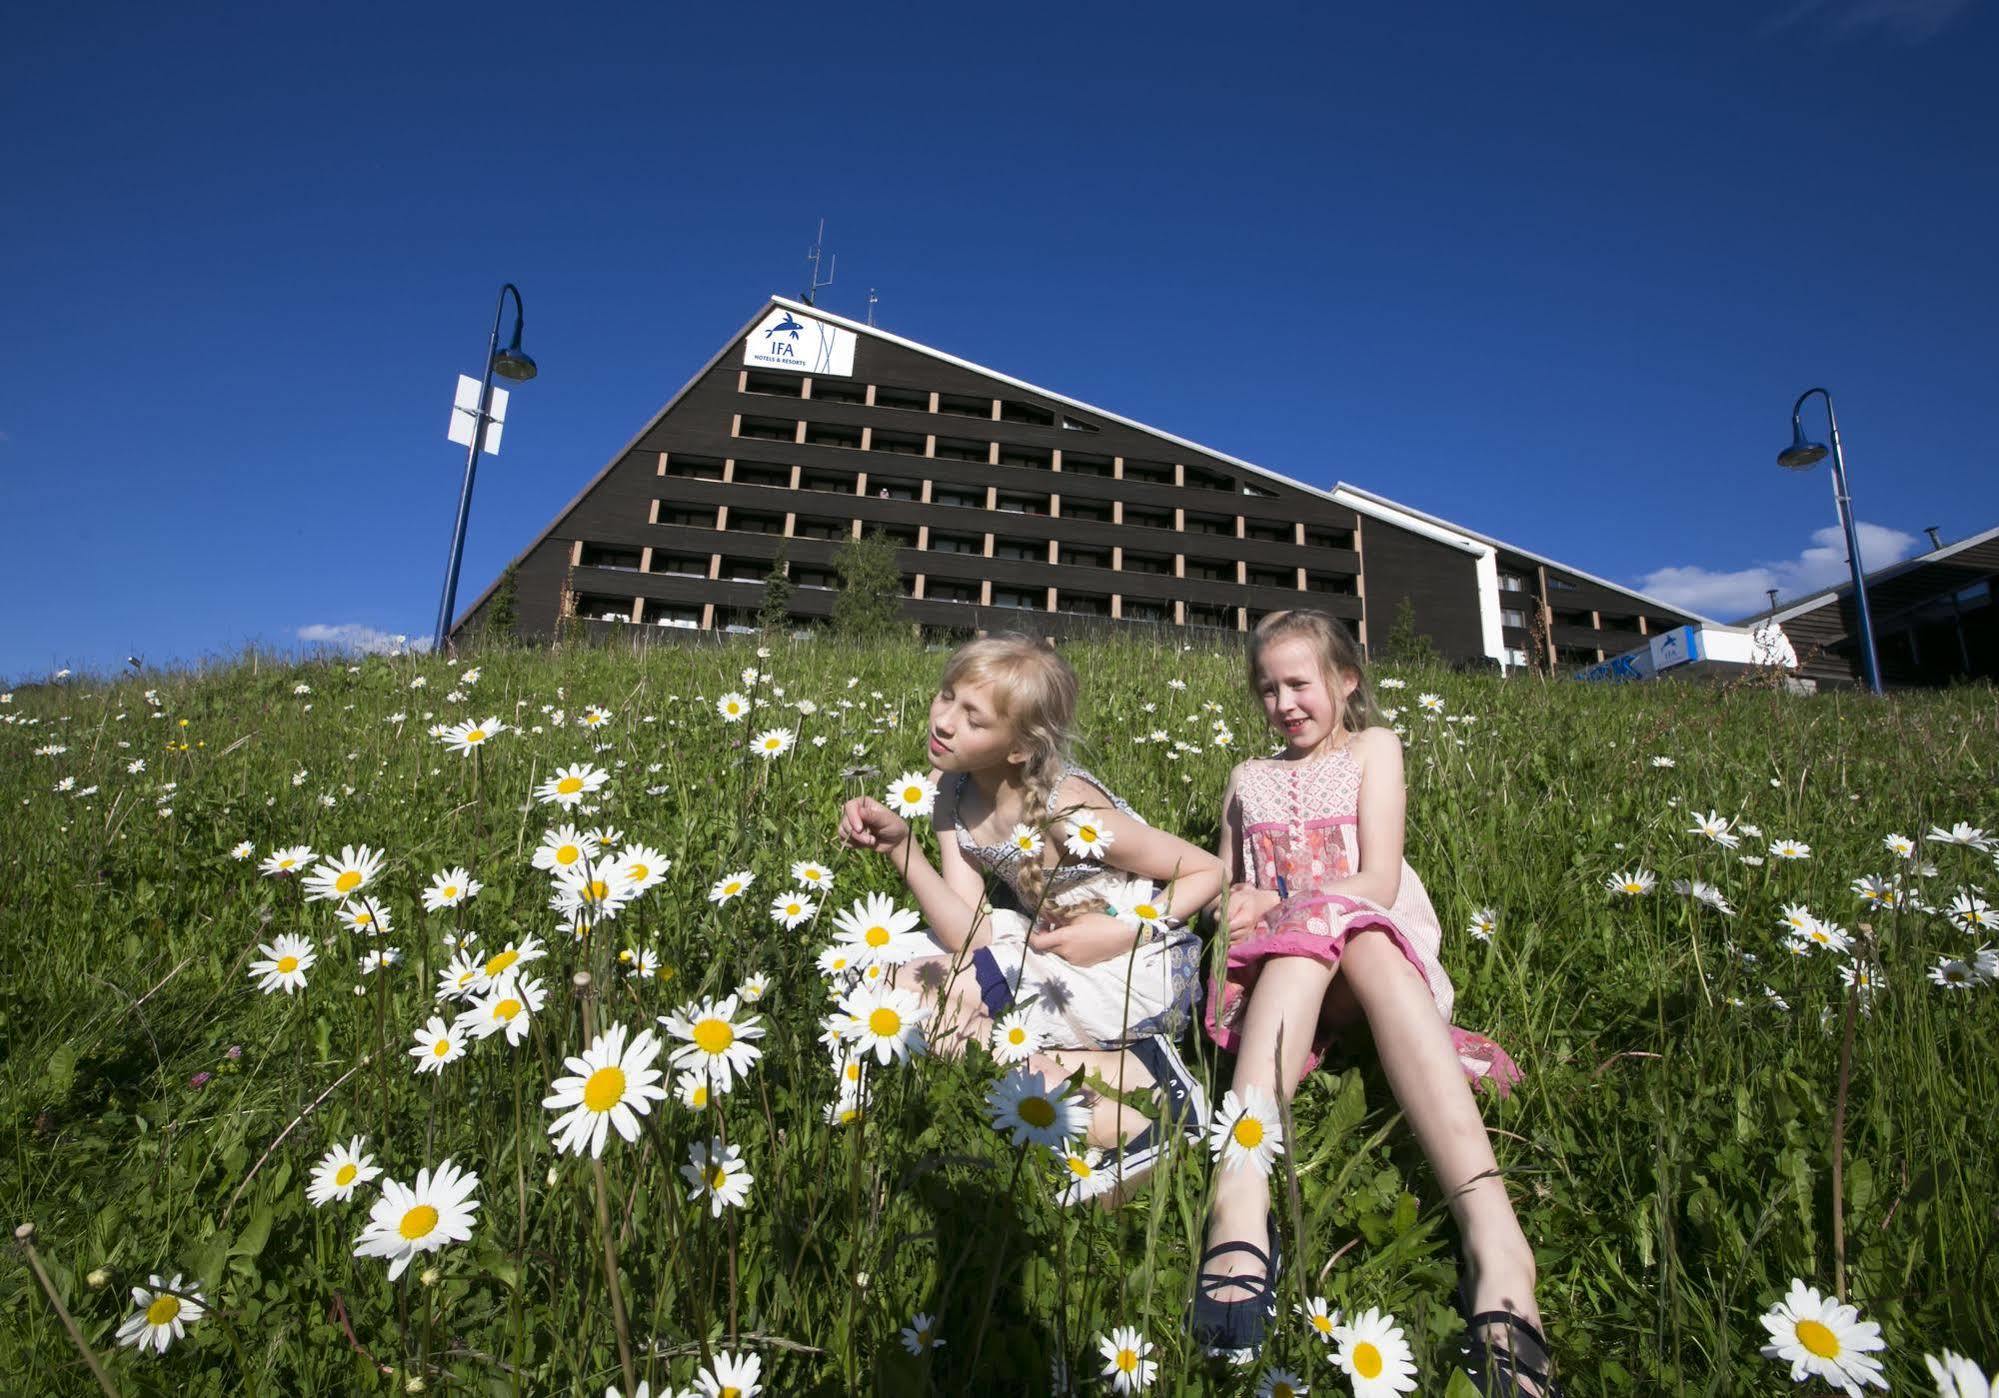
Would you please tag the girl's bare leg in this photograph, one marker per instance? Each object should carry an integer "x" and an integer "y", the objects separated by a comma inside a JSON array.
[{"x": 1111, "y": 1122}]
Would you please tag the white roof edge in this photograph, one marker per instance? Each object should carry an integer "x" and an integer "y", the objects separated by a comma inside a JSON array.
[
  {"x": 618, "y": 456},
  {"x": 1410, "y": 520},
  {"x": 1487, "y": 539},
  {"x": 1814, "y": 601}
]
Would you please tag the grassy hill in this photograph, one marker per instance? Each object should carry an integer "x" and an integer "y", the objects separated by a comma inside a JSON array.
[{"x": 1691, "y": 1089}]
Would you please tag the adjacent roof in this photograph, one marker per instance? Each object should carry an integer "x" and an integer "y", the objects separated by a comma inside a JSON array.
[
  {"x": 1353, "y": 497},
  {"x": 1785, "y": 611}
]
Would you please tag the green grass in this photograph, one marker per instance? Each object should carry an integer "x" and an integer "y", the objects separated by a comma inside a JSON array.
[{"x": 1671, "y": 1149}]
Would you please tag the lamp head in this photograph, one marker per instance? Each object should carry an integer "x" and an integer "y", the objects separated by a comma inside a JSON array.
[
  {"x": 511, "y": 363},
  {"x": 1801, "y": 455}
]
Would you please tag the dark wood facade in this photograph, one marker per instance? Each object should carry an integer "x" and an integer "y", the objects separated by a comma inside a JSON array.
[{"x": 1014, "y": 509}]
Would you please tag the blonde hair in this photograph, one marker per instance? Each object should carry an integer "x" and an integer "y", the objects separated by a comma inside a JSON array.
[
  {"x": 1338, "y": 655},
  {"x": 1035, "y": 691}
]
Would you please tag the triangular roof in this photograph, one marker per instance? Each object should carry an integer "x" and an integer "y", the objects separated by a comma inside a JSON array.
[
  {"x": 1353, "y": 497},
  {"x": 1786, "y": 610}
]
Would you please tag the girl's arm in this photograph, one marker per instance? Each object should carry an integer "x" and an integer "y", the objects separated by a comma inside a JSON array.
[
  {"x": 1383, "y": 803},
  {"x": 867, "y": 824},
  {"x": 1246, "y": 903}
]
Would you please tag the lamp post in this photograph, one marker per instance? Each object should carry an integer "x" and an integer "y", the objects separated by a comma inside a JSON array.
[
  {"x": 1802, "y": 455},
  {"x": 508, "y": 363}
]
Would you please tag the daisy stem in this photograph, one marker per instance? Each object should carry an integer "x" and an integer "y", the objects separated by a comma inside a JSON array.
[
  {"x": 611, "y": 1286},
  {"x": 520, "y": 1237},
  {"x": 999, "y": 1264},
  {"x": 1839, "y": 1140},
  {"x": 24, "y": 1239},
  {"x": 236, "y": 1344}
]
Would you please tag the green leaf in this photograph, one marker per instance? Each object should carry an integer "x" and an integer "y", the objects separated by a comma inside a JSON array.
[
  {"x": 255, "y": 1234},
  {"x": 61, "y": 1070}
]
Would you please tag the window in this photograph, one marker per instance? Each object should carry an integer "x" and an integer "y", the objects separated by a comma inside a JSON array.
[
  {"x": 1078, "y": 557},
  {"x": 893, "y": 488},
  {"x": 1210, "y": 614},
  {"x": 902, "y": 443},
  {"x": 610, "y": 556},
  {"x": 1013, "y": 411},
  {"x": 684, "y": 618},
  {"x": 744, "y": 570},
  {"x": 950, "y": 590},
  {"x": 597, "y": 606},
  {"x": 832, "y": 434},
  {"x": 1098, "y": 511},
  {"x": 956, "y": 543},
  {"x": 762, "y": 473},
  {"x": 1509, "y": 616},
  {"x": 806, "y": 527},
  {"x": 1201, "y": 478},
  {"x": 1976, "y": 595},
  {"x": 751, "y": 522},
  {"x": 1210, "y": 570},
  {"x": 687, "y": 517},
  {"x": 1143, "y": 609},
  {"x": 1273, "y": 577},
  {"x": 833, "y": 482},
  {"x": 1076, "y": 463},
  {"x": 1211, "y": 524},
  {"x": 1016, "y": 504},
  {"x": 913, "y": 400},
  {"x": 1574, "y": 618},
  {"x": 1268, "y": 532},
  {"x": 769, "y": 429},
  {"x": 1339, "y": 584},
  {"x": 1151, "y": 472},
  {"x": 1028, "y": 599},
  {"x": 682, "y": 565},
  {"x": 1512, "y": 582},
  {"x": 1159, "y": 563},
  {"x": 1070, "y": 424},
  {"x": 1517, "y": 657},
  {"x": 1082, "y": 603},
  {"x": 959, "y": 405},
  {"x": 777, "y": 385},
  {"x": 802, "y": 576},
  {"x": 693, "y": 468},
  {"x": 1148, "y": 518},
  {"x": 902, "y": 534},
  {"x": 963, "y": 449},
  {"x": 1033, "y": 457},
  {"x": 1020, "y": 552},
  {"x": 838, "y": 391},
  {"x": 1329, "y": 538},
  {"x": 1558, "y": 584},
  {"x": 1259, "y": 491},
  {"x": 960, "y": 497}
]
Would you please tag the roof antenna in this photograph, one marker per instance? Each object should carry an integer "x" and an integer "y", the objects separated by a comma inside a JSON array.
[
  {"x": 872, "y": 298},
  {"x": 1771, "y": 593},
  {"x": 1936, "y": 541},
  {"x": 812, "y": 289}
]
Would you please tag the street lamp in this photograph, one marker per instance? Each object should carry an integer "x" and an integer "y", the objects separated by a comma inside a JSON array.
[
  {"x": 1802, "y": 455},
  {"x": 509, "y": 363}
]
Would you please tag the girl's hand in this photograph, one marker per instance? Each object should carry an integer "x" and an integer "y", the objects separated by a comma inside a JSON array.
[
  {"x": 1089, "y": 939},
  {"x": 1248, "y": 906},
  {"x": 866, "y": 823}
]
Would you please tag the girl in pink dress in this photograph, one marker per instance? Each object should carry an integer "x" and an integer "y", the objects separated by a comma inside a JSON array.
[{"x": 1333, "y": 929}]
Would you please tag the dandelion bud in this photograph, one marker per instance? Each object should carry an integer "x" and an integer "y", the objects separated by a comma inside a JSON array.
[
  {"x": 429, "y": 1277},
  {"x": 551, "y": 1177},
  {"x": 99, "y": 1278}
]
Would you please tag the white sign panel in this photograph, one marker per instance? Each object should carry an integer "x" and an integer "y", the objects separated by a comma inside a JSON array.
[
  {"x": 786, "y": 340},
  {"x": 465, "y": 410}
]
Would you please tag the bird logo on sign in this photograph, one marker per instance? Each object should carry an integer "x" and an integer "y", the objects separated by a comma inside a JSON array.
[{"x": 786, "y": 324}]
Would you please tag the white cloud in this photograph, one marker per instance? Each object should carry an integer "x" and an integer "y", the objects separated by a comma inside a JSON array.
[
  {"x": 367, "y": 640},
  {"x": 1728, "y": 595}
]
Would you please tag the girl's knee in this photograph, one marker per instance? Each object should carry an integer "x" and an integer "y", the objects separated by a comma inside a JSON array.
[{"x": 1372, "y": 963}]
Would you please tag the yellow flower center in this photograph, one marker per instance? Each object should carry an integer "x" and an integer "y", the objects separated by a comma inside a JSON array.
[
  {"x": 450, "y": 890},
  {"x": 349, "y": 880},
  {"x": 851, "y": 1072},
  {"x": 163, "y": 1310},
  {"x": 286, "y": 863},
  {"x": 772, "y": 744},
  {"x": 442, "y": 1048},
  {"x": 1016, "y": 1035},
  {"x": 1323, "y": 1324},
  {"x": 729, "y": 1390},
  {"x": 885, "y": 1023},
  {"x": 700, "y": 1096},
  {"x": 1080, "y": 1167},
  {"x": 569, "y": 786},
  {"x": 567, "y": 854},
  {"x": 605, "y": 1089},
  {"x": 1147, "y": 912},
  {"x": 813, "y": 875},
  {"x": 597, "y": 890},
  {"x": 1127, "y": 1360},
  {"x": 1037, "y": 1112},
  {"x": 476, "y": 735},
  {"x": 1248, "y": 1132},
  {"x": 506, "y": 1010},
  {"x": 287, "y": 964},
  {"x": 418, "y": 1222},
  {"x": 1367, "y": 1360},
  {"x": 639, "y": 872},
  {"x": 502, "y": 961},
  {"x": 876, "y": 936},
  {"x": 1087, "y": 834},
  {"x": 717, "y": 1176},
  {"x": 1283, "y": 1390},
  {"x": 344, "y": 1176},
  {"x": 911, "y": 795},
  {"x": 714, "y": 1035},
  {"x": 731, "y": 888},
  {"x": 1818, "y": 1339}
]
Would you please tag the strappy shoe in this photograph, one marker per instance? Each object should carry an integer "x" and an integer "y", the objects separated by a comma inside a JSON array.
[
  {"x": 1181, "y": 1093},
  {"x": 1233, "y": 1327},
  {"x": 1500, "y": 1372}
]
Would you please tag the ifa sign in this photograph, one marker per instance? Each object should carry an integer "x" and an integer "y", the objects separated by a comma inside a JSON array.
[{"x": 786, "y": 340}]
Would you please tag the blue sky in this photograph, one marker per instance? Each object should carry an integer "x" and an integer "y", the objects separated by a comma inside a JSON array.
[{"x": 1554, "y": 271}]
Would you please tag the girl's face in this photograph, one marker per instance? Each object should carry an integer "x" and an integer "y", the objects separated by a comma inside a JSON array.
[
  {"x": 1297, "y": 699},
  {"x": 967, "y": 733}
]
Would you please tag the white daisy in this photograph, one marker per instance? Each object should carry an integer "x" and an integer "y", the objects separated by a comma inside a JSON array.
[
  {"x": 345, "y": 876},
  {"x": 1703, "y": 892},
  {"x": 500, "y": 962},
  {"x": 571, "y": 785},
  {"x": 717, "y": 1170},
  {"x": 1431, "y": 703},
  {"x": 641, "y": 867},
  {"x": 884, "y": 1021},
  {"x": 692, "y": 1090},
  {"x": 1082, "y": 1176},
  {"x": 437, "y": 1044},
  {"x": 449, "y": 888},
  {"x": 1281, "y": 1383},
  {"x": 1962, "y": 833},
  {"x": 1026, "y": 839},
  {"x": 730, "y": 885},
  {"x": 879, "y": 933},
  {"x": 1953, "y": 974},
  {"x": 407, "y": 1220},
  {"x": 773, "y": 742},
  {"x": 1247, "y": 1130},
  {"x": 460, "y": 979},
  {"x": 1823, "y": 1338},
  {"x": 1324, "y": 1320},
  {"x": 593, "y": 716},
  {"x": 1899, "y": 844},
  {"x": 461, "y": 738},
  {"x": 242, "y": 850},
  {"x": 732, "y": 706},
  {"x": 600, "y": 892},
  {"x": 1715, "y": 827},
  {"x": 912, "y": 794},
  {"x": 1125, "y": 1364},
  {"x": 163, "y": 1317},
  {"x": 613, "y": 1085},
  {"x": 807, "y": 874},
  {"x": 920, "y": 1335},
  {"x": 508, "y": 1008},
  {"x": 564, "y": 847},
  {"x": 792, "y": 909},
  {"x": 340, "y": 1172},
  {"x": 380, "y": 959},
  {"x": 1483, "y": 924},
  {"x": 1958, "y": 1377},
  {"x": 1025, "y": 1107},
  {"x": 287, "y": 861},
  {"x": 366, "y": 916},
  {"x": 1971, "y": 914},
  {"x": 1790, "y": 849},
  {"x": 1374, "y": 1355},
  {"x": 288, "y": 958},
  {"x": 1015, "y": 1038},
  {"x": 1632, "y": 883},
  {"x": 1829, "y": 935},
  {"x": 715, "y": 1043},
  {"x": 1087, "y": 837},
  {"x": 754, "y": 987}
]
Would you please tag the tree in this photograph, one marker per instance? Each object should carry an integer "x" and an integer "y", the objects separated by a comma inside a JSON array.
[
  {"x": 1404, "y": 642},
  {"x": 775, "y": 612},
  {"x": 870, "y": 602},
  {"x": 503, "y": 611}
]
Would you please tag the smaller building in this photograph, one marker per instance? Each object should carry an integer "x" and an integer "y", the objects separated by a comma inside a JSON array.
[{"x": 1934, "y": 620}]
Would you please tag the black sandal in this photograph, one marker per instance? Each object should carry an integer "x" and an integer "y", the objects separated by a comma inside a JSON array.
[
  {"x": 1499, "y": 1372},
  {"x": 1227, "y": 1327}
]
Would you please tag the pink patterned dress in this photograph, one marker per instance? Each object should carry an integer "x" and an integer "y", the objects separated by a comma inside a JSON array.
[{"x": 1299, "y": 821}]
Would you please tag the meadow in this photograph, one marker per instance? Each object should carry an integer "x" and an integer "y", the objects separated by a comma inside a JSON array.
[{"x": 1710, "y": 1107}]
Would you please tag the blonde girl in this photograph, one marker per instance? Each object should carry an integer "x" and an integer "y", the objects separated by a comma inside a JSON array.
[
  {"x": 1105, "y": 993},
  {"x": 1333, "y": 928}
]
